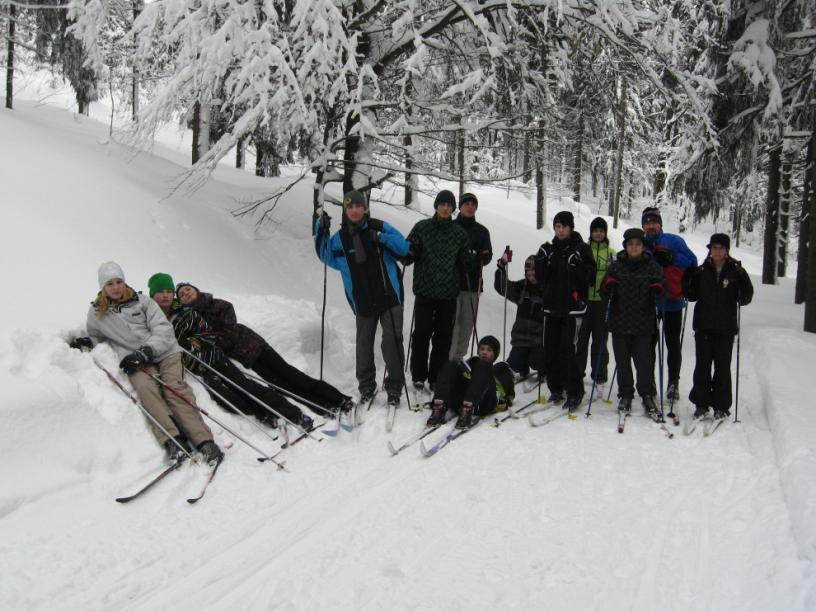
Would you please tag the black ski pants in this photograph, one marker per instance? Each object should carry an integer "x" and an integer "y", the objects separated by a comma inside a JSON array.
[
  {"x": 273, "y": 368},
  {"x": 241, "y": 399},
  {"x": 454, "y": 387},
  {"x": 712, "y": 391},
  {"x": 433, "y": 325},
  {"x": 559, "y": 354},
  {"x": 593, "y": 326},
  {"x": 523, "y": 358},
  {"x": 672, "y": 328},
  {"x": 629, "y": 348}
]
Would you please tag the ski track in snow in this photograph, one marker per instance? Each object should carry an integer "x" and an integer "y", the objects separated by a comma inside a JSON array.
[{"x": 569, "y": 516}]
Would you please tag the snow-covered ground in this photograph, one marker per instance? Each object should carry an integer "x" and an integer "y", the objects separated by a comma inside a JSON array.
[{"x": 571, "y": 516}]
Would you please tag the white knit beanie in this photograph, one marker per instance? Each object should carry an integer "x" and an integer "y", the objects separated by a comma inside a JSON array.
[{"x": 108, "y": 271}]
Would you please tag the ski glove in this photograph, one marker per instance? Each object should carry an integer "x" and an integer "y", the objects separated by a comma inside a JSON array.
[
  {"x": 136, "y": 360},
  {"x": 81, "y": 343},
  {"x": 506, "y": 258},
  {"x": 325, "y": 221},
  {"x": 663, "y": 255},
  {"x": 611, "y": 286}
]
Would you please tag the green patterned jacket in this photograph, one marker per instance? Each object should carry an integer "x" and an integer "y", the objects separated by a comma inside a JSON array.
[{"x": 441, "y": 253}]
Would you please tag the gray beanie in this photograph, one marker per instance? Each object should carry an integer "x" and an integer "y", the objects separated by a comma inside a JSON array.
[{"x": 108, "y": 271}]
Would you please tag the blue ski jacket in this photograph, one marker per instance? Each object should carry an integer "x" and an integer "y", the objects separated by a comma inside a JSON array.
[{"x": 682, "y": 259}]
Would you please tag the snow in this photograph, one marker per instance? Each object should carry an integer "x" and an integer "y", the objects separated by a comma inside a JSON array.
[{"x": 571, "y": 516}]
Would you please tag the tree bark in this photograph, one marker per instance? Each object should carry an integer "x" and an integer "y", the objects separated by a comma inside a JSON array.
[
  {"x": 541, "y": 193},
  {"x": 579, "y": 156},
  {"x": 526, "y": 169},
  {"x": 769, "y": 253},
  {"x": 784, "y": 216},
  {"x": 239, "y": 153},
  {"x": 134, "y": 84},
  {"x": 808, "y": 199},
  {"x": 407, "y": 142},
  {"x": 10, "y": 57},
  {"x": 615, "y": 208},
  {"x": 461, "y": 160}
]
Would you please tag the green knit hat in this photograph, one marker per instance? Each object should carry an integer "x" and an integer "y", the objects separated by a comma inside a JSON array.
[{"x": 160, "y": 282}]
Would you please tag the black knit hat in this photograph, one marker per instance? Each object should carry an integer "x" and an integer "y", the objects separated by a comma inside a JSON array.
[
  {"x": 598, "y": 223},
  {"x": 445, "y": 197},
  {"x": 634, "y": 233},
  {"x": 354, "y": 197},
  {"x": 651, "y": 214},
  {"x": 721, "y": 239},
  {"x": 493, "y": 343},
  {"x": 468, "y": 197},
  {"x": 564, "y": 218},
  {"x": 183, "y": 284}
]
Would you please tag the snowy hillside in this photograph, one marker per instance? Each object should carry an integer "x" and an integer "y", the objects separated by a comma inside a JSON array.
[{"x": 571, "y": 516}]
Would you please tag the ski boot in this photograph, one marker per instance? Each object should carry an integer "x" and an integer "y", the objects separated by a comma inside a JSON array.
[
  {"x": 625, "y": 405},
  {"x": 466, "y": 416},
  {"x": 174, "y": 453},
  {"x": 437, "y": 417},
  {"x": 210, "y": 451}
]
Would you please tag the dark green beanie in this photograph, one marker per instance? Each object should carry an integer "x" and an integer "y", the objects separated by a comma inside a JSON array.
[{"x": 160, "y": 282}]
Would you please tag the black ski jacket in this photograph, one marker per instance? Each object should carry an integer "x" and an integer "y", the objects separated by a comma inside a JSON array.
[
  {"x": 633, "y": 298},
  {"x": 481, "y": 253},
  {"x": 528, "y": 328},
  {"x": 717, "y": 296},
  {"x": 566, "y": 269}
]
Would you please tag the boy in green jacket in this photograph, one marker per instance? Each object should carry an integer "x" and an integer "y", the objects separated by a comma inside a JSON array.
[
  {"x": 440, "y": 253},
  {"x": 593, "y": 323}
]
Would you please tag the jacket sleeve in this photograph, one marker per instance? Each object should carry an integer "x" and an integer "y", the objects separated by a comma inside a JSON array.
[
  {"x": 589, "y": 267},
  {"x": 325, "y": 246},
  {"x": 691, "y": 284},
  {"x": 394, "y": 241},
  {"x": 92, "y": 327},
  {"x": 542, "y": 262},
  {"x": 486, "y": 250},
  {"x": 746, "y": 287},
  {"x": 513, "y": 287},
  {"x": 505, "y": 387},
  {"x": 162, "y": 336},
  {"x": 683, "y": 256}
]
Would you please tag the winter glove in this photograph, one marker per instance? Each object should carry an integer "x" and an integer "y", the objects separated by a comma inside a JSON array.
[
  {"x": 484, "y": 257},
  {"x": 574, "y": 260},
  {"x": 506, "y": 258},
  {"x": 325, "y": 221},
  {"x": 81, "y": 343},
  {"x": 611, "y": 286},
  {"x": 136, "y": 360},
  {"x": 663, "y": 255}
]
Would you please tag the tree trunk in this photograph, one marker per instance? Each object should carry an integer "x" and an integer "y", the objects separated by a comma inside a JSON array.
[
  {"x": 769, "y": 253},
  {"x": 615, "y": 208},
  {"x": 526, "y": 170},
  {"x": 196, "y": 131},
  {"x": 541, "y": 193},
  {"x": 134, "y": 85},
  {"x": 239, "y": 153},
  {"x": 810, "y": 280},
  {"x": 461, "y": 160},
  {"x": 784, "y": 216},
  {"x": 10, "y": 57},
  {"x": 579, "y": 156},
  {"x": 409, "y": 176},
  {"x": 660, "y": 173},
  {"x": 808, "y": 199}
]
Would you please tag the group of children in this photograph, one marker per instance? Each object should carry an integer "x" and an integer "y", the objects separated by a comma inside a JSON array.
[{"x": 573, "y": 294}]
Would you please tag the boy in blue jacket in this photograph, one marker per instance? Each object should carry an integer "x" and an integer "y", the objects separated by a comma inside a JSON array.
[{"x": 365, "y": 251}]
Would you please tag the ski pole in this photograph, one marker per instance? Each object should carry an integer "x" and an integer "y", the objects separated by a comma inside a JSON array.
[
  {"x": 323, "y": 313},
  {"x": 390, "y": 315},
  {"x": 739, "y": 335},
  {"x": 671, "y": 414},
  {"x": 598, "y": 358},
  {"x": 210, "y": 389},
  {"x": 661, "y": 328},
  {"x": 248, "y": 394},
  {"x": 509, "y": 253},
  {"x": 608, "y": 399},
  {"x": 264, "y": 457},
  {"x": 149, "y": 416},
  {"x": 410, "y": 335},
  {"x": 474, "y": 335}
]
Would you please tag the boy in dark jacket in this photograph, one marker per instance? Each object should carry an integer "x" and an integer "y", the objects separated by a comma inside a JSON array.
[
  {"x": 527, "y": 334},
  {"x": 470, "y": 280},
  {"x": 222, "y": 376},
  {"x": 593, "y": 325},
  {"x": 718, "y": 286},
  {"x": 634, "y": 284},
  {"x": 365, "y": 251},
  {"x": 565, "y": 268},
  {"x": 440, "y": 253},
  {"x": 241, "y": 343},
  {"x": 472, "y": 388}
]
